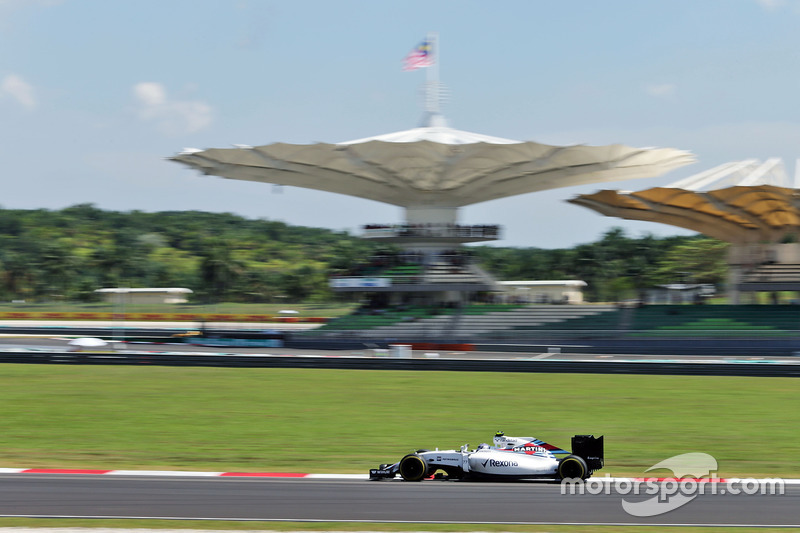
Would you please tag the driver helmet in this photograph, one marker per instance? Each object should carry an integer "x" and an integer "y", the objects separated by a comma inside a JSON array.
[{"x": 498, "y": 439}]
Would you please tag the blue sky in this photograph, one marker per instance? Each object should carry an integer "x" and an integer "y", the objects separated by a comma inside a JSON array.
[{"x": 94, "y": 94}]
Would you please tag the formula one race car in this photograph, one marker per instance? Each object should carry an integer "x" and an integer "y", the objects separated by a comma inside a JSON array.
[{"x": 509, "y": 458}]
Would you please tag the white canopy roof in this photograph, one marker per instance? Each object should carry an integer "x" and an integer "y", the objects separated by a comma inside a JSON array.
[
  {"x": 434, "y": 166},
  {"x": 437, "y": 134}
]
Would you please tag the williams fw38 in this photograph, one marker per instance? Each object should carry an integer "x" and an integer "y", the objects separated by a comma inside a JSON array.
[{"x": 509, "y": 458}]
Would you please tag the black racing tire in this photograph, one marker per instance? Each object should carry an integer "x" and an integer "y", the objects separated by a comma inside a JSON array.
[
  {"x": 573, "y": 467},
  {"x": 413, "y": 468}
]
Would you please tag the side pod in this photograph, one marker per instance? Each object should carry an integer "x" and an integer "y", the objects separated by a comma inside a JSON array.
[{"x": 590, "y": 449}]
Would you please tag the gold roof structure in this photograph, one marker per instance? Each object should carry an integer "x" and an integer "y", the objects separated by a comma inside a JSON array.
[{"x": 755, "y": 203}]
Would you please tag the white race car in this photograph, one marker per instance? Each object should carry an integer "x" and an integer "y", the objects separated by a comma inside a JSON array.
[{"x": 509, "y": 458}]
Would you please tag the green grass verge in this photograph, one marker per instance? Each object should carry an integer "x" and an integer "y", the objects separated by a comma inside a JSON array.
[{"x": 303, "y": 420}]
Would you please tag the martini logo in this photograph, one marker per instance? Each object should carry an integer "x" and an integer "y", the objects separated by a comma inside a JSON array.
[{"x": 530, "y": 448}]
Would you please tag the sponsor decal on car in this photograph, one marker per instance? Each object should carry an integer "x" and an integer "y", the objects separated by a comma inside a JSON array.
[
  {"x": 499, "y": 464},
  {"x": 531, "y": 449}
]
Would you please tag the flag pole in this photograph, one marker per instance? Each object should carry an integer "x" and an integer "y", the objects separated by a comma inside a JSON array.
[
  {"x": 433, "y": 89},
  {"x": 432, "y": 100}
]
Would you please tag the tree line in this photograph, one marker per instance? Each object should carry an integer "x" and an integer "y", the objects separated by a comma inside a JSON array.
[{"x": 50, "y": 255}]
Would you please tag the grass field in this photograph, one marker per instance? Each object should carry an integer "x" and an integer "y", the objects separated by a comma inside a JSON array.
[
  {"x": 219, "y": 525},
  {"x": 297, "y": 420}
]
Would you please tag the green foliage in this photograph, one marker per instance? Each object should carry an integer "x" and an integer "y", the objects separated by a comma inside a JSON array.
[
  {"x": 64, "y": 255},
  {"x": 50, "y": 256},
  {"x": 701, "y": 260},
  {"x": 616, "y": 267}
]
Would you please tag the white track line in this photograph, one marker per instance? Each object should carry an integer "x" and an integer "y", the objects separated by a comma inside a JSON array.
[{"x": 289, "y": 475}]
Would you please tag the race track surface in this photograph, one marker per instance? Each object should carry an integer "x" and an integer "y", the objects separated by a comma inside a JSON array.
[{"x": 365, "y": 501}]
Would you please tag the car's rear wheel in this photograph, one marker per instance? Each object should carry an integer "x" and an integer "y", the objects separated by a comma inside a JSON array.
[
  {"x": 573, "y": 467},
  {"x": 413, "y": 468}
]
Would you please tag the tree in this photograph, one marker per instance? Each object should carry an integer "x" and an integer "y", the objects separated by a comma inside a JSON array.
[
  {"x": 55, "y": 268},
  {"x": 15, "y": 274},
  {"x": 701, "y": 260},
  {"x": 75, "y": 250},
  {"x": 218, "y": 269}
]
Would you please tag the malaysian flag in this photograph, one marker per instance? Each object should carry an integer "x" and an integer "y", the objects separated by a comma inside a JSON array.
[{"x": 421, "y": 56}]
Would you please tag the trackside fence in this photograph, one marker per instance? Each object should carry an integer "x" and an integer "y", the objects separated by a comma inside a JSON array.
[{"x": 383, "y": 363}]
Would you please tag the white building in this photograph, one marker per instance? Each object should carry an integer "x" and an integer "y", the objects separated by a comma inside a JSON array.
[
  {"x": 120, "y": 295},
  {"x": 553, "y": 291}
]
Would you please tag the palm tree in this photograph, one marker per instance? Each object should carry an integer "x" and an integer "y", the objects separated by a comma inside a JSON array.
[{"x": 218, "y": 269}]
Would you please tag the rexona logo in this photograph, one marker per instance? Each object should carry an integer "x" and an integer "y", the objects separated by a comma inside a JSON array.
[{"x": 500, "y": 464}]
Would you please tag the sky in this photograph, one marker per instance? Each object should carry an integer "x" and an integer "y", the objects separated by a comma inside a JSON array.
[{"x": 96, "y": 94}]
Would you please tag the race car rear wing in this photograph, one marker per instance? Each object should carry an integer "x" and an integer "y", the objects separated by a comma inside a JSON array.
[{"x": 590, "y": 449}]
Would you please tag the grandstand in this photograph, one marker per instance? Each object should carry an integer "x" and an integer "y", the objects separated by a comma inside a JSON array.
[
  {"x": 771, "y": 277},
  {"x": 468, "y": 324},
  {"x": 532, "y": 323}
]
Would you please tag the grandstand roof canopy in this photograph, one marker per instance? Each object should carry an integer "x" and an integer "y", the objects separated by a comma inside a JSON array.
[
  {"x": 756, "y": 202},
  {"x": 433, "y": 166}
]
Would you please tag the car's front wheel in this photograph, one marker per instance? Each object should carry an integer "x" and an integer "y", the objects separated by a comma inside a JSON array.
[
  {"x": 413, "y": 468},
  {"x": 573, "y": 467}
]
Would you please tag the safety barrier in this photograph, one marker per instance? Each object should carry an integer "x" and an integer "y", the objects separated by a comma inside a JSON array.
[
  {"x": 158, "y": 317},
  {"x": 384, "y": 363}
]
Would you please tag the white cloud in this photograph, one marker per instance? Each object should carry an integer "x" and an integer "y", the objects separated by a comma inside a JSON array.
[
  {"x": 8, "y": 7},
  {"x": 661, "y": 90},
  {"x": 173, "y": 117},
  {"x": 18, "y": 89},
  {"x": 150, "y": 94},
  {"x": 778, "y": 5},
  {"x": 771, "y": 5},
  {"x": 28, "y": 3}
]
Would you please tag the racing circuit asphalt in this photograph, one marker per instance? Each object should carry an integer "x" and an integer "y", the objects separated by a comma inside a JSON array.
[
  {"x": 298, "y": 500},
  {"x": 362, "y": 501}
]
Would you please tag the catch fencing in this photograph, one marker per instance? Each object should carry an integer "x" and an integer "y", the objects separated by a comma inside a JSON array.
[{"x": 188, "y": 359}]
